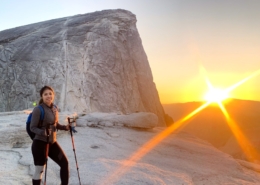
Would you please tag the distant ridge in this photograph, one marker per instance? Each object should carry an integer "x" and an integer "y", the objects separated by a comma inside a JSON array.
[
  {"x": 210, "y": 124},
  {"x": 178, "y": 110}
]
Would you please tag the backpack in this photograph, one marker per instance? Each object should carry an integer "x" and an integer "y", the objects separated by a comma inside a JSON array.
[{"x": 28, "y": 122}]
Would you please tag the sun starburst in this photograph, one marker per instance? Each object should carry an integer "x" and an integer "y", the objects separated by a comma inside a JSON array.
[{"x": 214, "y": 95}]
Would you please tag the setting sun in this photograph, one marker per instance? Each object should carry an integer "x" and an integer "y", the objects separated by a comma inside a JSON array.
[{"x": 216, "y": 95}]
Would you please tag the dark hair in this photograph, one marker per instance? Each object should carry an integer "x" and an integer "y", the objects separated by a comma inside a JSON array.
[{"x": 42, "y": 90}]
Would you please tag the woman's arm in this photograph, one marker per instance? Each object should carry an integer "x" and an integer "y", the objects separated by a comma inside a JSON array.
[{"x": 62, "y": 127}]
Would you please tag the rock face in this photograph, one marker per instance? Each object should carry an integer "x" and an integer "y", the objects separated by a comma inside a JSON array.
[
  {"x": 95, "y": 62},
  {"x": 137, "y": 120}
]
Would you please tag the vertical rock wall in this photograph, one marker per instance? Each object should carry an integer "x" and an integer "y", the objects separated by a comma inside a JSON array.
[{"x": 95, "y": 62}]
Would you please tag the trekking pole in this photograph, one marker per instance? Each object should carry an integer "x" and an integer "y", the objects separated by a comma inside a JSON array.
[
  {"x": 72, "y": 140},
  {"x": 47, "y": 152}
]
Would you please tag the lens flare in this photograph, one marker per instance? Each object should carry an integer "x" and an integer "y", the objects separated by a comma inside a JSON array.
[
  {"x": 147, "y": 147},
  {"x": 243, "y": 142}
]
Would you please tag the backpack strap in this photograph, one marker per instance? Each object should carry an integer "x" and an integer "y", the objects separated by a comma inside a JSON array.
[
  {"x": 56, "y": 110},
  {"x": 42, "y": 115},
  {"x": 42, "y": 112},
  {"x": 55, "y": 106}
]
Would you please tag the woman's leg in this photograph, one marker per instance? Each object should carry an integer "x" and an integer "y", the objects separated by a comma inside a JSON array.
[
  {"x": 57, "y": 155},
  {"x": 38, "y": 152}
]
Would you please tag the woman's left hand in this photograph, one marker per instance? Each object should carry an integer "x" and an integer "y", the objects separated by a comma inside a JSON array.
[{"x": 73, "y": 130}]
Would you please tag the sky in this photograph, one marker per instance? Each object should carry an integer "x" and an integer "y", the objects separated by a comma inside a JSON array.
[{"x": 185, "y": 40}]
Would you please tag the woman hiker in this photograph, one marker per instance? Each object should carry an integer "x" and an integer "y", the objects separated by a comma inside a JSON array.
[{"x": 45, "y": 138}]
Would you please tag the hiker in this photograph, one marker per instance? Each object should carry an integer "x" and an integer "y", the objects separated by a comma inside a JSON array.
[{"x": 43, "y": 145}]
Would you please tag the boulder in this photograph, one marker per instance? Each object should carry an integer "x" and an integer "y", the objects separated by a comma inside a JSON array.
[
  {"x": 138, "y": 120},
  {"x": 95, "y": 62}
]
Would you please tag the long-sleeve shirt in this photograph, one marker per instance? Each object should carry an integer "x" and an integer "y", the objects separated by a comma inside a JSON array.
[{"x": 50, "y": 120}]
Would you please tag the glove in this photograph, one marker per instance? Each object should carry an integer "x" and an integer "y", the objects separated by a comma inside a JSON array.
[
  {"x": 73, "y": 130},
  {"x": 67, "y": 128}
]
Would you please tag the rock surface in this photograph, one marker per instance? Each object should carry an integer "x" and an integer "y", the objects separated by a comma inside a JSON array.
[
  {"x": 137, "y": 120},
  {"x": 95, "y": 62},
  {"x": 180, "y": 159}
]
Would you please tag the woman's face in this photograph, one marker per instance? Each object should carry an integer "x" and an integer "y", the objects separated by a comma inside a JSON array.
[{"x": 47, "y": 97}]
